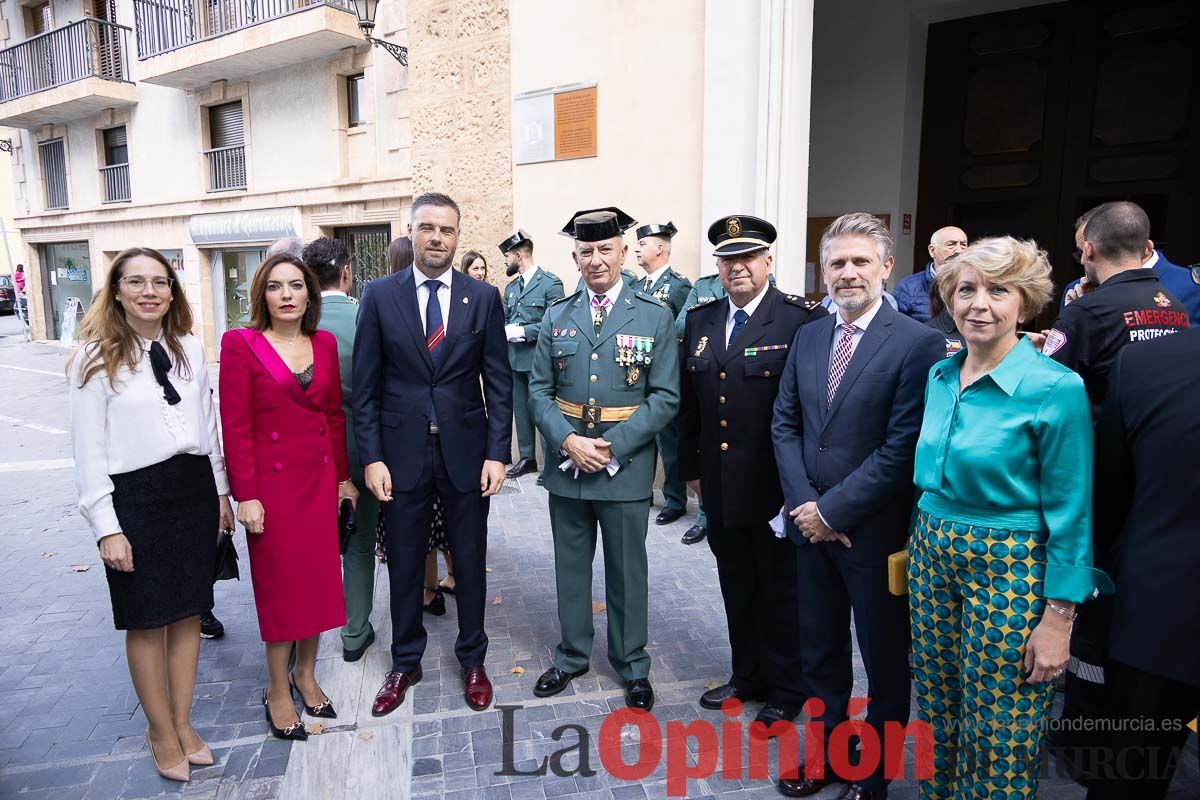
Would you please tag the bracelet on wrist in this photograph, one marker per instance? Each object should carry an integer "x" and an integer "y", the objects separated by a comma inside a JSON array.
[{"x": 1063, "y": 611}]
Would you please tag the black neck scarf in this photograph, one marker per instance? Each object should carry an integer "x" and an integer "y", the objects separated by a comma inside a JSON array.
[{"x": 160, "y": 362}]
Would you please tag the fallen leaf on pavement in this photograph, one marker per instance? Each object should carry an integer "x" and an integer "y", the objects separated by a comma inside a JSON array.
[
  {"x": 48, "y": 555},
  {"x": 487, "y": 569},
  {"x": 315, "y": 728},
  {"x": 80, "y": 567},
  {"x": 496, "y": 600},
  {"x": 366, "y": 736},
  {"x": 518, "y": 670},
  {"x": 598, "y": 607},
  {"x": 713, "y": 685}
]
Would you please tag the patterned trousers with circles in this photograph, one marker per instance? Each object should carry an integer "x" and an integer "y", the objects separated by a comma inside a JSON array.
[{"x": 975, "y": 595}]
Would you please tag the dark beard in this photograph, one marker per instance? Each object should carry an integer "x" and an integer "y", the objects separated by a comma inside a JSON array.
[{"x": 512, "y": 269}]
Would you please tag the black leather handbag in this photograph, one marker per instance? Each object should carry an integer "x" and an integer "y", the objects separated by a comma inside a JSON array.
[
  {"x": 346, "y": 525},
  {"x": 226, "y": 568}
]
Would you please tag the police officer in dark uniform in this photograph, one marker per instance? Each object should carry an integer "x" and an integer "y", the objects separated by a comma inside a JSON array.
[
  {"x": 734, "y": 351},
  {"x": 1128, "y": 305}
]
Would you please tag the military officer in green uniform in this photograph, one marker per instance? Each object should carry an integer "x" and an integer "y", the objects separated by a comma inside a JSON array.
[
  {"x": 605, "y": 380},
  {"x": 653, "y": 252},
  {"x": 526, "y": 299}
]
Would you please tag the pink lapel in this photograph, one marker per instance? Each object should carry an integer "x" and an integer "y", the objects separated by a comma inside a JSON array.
[{"x": 273, "y": 364}]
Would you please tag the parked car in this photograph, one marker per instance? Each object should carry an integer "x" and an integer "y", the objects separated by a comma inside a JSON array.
[{"x": 8, "y": 295}]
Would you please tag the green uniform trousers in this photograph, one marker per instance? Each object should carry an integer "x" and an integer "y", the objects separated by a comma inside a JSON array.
[
  {"x": 674, "y": 489},
  {"x": 526, "y": 442},
  {"x": 623, "y": 534},
  {"x": 358, "y": 570}
]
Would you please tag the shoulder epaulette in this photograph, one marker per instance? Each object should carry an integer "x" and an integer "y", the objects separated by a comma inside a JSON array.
[
  {"x": 649, "y": 298},
  {"x": 564, "y": 299},
  {"x": 801, "y": 302},
  {"x": 708, "y": 301},
  {"x": 554, "y": 278}
]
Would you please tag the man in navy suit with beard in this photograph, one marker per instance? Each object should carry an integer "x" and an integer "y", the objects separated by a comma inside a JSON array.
[{"x": 433, "y": 413}]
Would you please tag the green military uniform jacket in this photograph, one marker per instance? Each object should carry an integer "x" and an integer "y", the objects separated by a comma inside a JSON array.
[
  {"x": 627, "y": 278},
  {"x": 575, "y": 364},
  {"x": 339, "y": 314},
  {"x": 527, "y": 308},
  {"x": 670, "y": 287}
]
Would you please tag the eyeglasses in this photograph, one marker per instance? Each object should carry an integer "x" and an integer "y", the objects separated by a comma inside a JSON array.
[{"x": 136, "y": 283}]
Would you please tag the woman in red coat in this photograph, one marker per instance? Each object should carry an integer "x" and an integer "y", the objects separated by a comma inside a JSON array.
[{"x": 285, "y": 435}]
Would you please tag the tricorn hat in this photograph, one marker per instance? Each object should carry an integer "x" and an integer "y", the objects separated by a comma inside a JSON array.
[
  {"x": 598, "y": 224},
  {"x": 666, "y": 231},
  {"x": 516, "y": 240},
  {"x": 740, "y": 233}
]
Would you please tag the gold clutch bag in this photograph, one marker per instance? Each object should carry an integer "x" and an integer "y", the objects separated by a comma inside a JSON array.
[{"x": 898, "y": 573}]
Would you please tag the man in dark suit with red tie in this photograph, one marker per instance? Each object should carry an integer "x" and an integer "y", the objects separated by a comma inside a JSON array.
[
  {"x": 846, "y": 424},
  {"x": 433, "y": 413}
]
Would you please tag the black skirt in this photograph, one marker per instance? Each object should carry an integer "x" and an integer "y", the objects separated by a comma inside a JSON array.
[{"x": 169, "y": 513}]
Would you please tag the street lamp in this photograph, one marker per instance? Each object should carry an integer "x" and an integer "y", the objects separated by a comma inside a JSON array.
[{"x": 365, "y": 11}]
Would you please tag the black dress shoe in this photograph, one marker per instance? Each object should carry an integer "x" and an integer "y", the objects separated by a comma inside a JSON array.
[
  {"x": 522, "y": 467},
  {"x": 805, "y": 787},
  {"x": 856, "y": 792},
  {"x": 694, "y": 534},
  {"x": 356, "y": 653},
  {"x": 541, "y": 481},
  {"x": 713, "y": 698},
  {"x": 324, "y": 709},
  {"x": 294, "y": 732},
  {"x": 210, "y": 626},
  {"x": 554, "y": 680},
  {"x": 768, "y": 715},
  {"x": 639, "y": 694},
  {"x": 436, "y": 606},
  {"x": 668, "y": 515}
]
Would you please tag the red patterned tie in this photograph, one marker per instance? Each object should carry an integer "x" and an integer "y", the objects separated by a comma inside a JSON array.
[{"x": 841, "y": 358}]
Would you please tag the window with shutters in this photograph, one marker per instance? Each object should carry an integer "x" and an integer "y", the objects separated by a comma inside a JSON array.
[
  {"x": 114, "y": 175},
  {"x": 54, "y": 173},
  {"x": 227, "y": 155},
  {"x": 355, "y": 100}
]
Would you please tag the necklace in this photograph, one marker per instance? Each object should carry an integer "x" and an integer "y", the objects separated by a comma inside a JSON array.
[{"x": 283, "y": 339}]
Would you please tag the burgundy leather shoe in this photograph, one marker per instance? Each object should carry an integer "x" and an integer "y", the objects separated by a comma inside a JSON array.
[
  {"x": 391, "y": 694},
  {"x": 477, "y": 688}
]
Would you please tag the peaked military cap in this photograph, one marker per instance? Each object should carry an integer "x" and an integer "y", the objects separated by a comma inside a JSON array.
[
  {"x": 667, "y": 230},
  {"x": 516, "y": 240},
  {"x": 598, "y": 224},
  {"x": 740, "y": 233}
]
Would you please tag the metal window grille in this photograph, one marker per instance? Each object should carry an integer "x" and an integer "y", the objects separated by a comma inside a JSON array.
[
  {"x": 54, "y": 173},
  {"x": 116, "y": 183}
]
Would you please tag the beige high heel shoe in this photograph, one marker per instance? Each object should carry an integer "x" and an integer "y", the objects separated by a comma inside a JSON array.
[
  {"x": 179, "y": 772},
  {"x": 201, "y": 758}
]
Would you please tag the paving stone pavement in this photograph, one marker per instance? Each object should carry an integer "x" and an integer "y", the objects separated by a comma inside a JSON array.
[{"x": 71, "y": 726}]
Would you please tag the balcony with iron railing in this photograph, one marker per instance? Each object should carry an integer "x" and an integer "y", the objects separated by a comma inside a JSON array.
[
  {"x": 115, "y": 179},
  {"x": 188, "y": 44},
  {"x": 226, "y": 168},
  {"x": 69, "y": 73}
]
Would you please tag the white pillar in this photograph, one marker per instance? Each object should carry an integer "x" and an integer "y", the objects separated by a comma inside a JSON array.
[{"x": 757, "y": 89}]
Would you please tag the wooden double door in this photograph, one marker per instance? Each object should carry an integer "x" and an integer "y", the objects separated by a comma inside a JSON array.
[{"x": 1031, "y": 117}]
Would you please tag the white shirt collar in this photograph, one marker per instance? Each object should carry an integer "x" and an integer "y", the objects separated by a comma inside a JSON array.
[
  {"x": 420, "y": 277},
  {"x": 333, "y": 293},
  {"x": 528, "y": 274},
  {"x": 750, "y": 307},
  {"x": 612, "y": 294},
  {"x": 1151, "y": 261},
  {"x": 654, "y": 276},
  {"x": 865, "y": 320}
]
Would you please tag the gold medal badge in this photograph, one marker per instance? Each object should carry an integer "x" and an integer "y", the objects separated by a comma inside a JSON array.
[
  {"x": 733, "y": 227},
  {"x": 631, "y": 375},
  {"x": 703, "y": 343}
]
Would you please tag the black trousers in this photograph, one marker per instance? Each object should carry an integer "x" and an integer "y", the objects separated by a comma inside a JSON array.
[
  {"x": 407, "y": 543},
  {"x": 832, "y": 581},
  {"x": 1148, "y": 717},
  {"x": 757, "y": 573}
]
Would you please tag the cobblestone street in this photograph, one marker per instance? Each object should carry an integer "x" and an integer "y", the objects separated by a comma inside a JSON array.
[{"x": 71, "y": 726}]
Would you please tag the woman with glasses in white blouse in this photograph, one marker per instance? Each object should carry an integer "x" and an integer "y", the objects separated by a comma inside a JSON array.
[{"x": 152, "y": 485}]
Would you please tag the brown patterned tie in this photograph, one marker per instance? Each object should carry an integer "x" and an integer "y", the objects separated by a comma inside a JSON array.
[{"x": 841, "y": 359}]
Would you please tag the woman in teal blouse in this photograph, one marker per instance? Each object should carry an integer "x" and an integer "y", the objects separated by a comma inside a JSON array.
[{"x": 1002, "y": 548}]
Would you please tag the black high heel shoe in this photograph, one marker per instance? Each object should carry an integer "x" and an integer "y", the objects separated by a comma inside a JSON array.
[
  {"x": 294, "y": 732},
  {"x": 436, "y": 606},
  {"x": 323, "y": 709}
]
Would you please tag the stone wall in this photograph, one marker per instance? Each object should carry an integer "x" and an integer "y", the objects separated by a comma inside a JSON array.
[{"x": 459, "y": 90}]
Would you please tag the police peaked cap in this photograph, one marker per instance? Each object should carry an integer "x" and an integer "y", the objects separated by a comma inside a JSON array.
[
  {"x": 516, "y": 240},
  {"x": 666, "y": 231},
  {"x": 740, "y": 233},
  {"x": 598, "y": 224}
]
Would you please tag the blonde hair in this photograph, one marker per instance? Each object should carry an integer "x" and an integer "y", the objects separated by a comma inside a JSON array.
[
  {"x": 1003, "y": 260},
  {"x": 109, "y": 344},
  {"x": 858, "y": 223}
]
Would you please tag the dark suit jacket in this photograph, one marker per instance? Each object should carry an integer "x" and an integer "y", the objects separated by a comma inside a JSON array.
[
  {"x": 1147, "y": 482},
  {"x": 394, "y": 379},
  {"x": 856, "y": 457},
  {"x": 740, "y": 483}
]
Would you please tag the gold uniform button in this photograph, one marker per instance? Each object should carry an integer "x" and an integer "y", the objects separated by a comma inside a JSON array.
[
  {"x": 591, "y": 401},
  {"x": 766, "y": 373},
  {"x": 724, "y": 445},
  {"x": 722, "y": 376},
  {"x": 724, "y": 423},
  {"x": 591, "y": 425},
  {"x": 595, "y": 356},
  {"x": 722, "y": 400},
  {"x": 593, "y": 379}
]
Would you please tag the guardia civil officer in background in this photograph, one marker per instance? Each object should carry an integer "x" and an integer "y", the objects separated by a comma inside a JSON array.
[
  {"x": 653, "y": 252},
  {"x": 605, "y": 380},
  {"x": 526, "y": 299},
  {"x": 734, "y": 351}
]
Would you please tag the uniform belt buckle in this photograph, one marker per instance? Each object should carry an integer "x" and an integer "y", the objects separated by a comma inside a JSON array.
[{"x": 591, "y": 414}]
